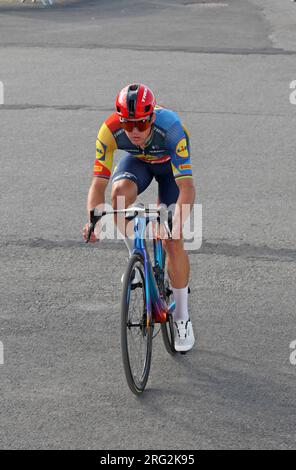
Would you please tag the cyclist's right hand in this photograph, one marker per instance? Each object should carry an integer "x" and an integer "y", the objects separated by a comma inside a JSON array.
[{"x": 93, "y": 238}]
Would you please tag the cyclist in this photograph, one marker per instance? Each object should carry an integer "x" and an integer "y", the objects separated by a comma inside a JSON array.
[{"x": 156, "y": 146}]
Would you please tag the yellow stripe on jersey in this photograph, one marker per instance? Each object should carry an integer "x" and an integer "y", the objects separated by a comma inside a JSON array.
[
  {"x": 175, "y": 171},
  {"x": 105, "y": 146}
]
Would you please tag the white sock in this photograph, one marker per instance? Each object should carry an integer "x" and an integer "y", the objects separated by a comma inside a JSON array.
[
  {"x": 129, "y": 244},
  {"x": 181, "y": 298}
]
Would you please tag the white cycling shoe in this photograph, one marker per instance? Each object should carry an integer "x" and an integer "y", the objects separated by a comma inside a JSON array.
[{"x": 184, "y": 336}]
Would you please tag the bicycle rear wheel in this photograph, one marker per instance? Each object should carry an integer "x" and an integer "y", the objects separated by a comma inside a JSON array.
[
  {"x": 167, "y": 329},
  {"x": 136, "y": 337}
]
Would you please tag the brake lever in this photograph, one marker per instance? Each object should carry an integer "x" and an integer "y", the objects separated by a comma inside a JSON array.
[
  {"x": 131, "y": 216},
  {"x": 90, "y": 231},
  {"x": 93, "y": 221},
  {"x": 164, "y": 213},
  {"x": 167, "y": 227}
]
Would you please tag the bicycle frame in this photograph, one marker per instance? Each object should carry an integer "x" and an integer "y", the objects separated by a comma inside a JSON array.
[{"x": 156, "y": 307}]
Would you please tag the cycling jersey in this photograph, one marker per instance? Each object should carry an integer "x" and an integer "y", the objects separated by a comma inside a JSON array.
[{"x": 169, "y": 141}]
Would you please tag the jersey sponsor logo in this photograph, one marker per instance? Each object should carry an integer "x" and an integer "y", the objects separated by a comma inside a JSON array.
[
  {"x": 101, "y": 150},
  {"x": 185, "y": 167},
  {"x": 156, "y": 129},
  {"x": 101, "y": 170},
  {"x": 98, "y": 169},
  {"x": 182, "y": 149},
  {"x": 118, "y": 133}
]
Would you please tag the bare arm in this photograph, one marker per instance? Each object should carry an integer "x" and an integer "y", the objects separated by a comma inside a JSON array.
[
  {"x": 96, "y": 193},
  {"x": 96, "y": 196},
  {"x": 187, "y": 191},
  {"x": 184, "y": 203}
]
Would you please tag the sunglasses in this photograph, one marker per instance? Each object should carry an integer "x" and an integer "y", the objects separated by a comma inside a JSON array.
[{"x": 141, "y": 125}]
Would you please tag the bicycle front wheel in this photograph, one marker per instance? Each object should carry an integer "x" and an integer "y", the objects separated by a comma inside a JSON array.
[{"x": 136, "y": 336}]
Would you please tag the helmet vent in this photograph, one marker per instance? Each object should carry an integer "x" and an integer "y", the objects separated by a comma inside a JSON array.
[
  {"x": 131, "y": 107},
  {"x": 131, "y": 99}
]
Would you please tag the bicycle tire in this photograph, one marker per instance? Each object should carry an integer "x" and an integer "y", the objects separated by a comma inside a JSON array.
[
  {"x": 167, "y": 329},
  {"x": 136, "y": 385}
]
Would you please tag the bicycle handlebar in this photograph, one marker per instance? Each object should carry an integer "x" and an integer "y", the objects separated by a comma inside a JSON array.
[{"x": 162, "y": 214}]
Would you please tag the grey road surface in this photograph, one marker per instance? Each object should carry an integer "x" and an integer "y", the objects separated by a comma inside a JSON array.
[{"x": 226, "y": 68}]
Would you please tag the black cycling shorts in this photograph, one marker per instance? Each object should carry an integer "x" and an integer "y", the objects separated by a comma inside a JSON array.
[{"x": 142, "y": 173}]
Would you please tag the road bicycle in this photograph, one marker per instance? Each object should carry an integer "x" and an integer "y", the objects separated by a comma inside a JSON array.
[{"x": 146, "y": 294}]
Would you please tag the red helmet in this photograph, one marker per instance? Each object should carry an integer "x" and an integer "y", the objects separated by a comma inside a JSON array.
[{"x": 135, "y": 101}]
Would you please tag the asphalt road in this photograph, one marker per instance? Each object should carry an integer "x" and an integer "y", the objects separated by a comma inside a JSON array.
[{"x": 226, "y": 69}]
